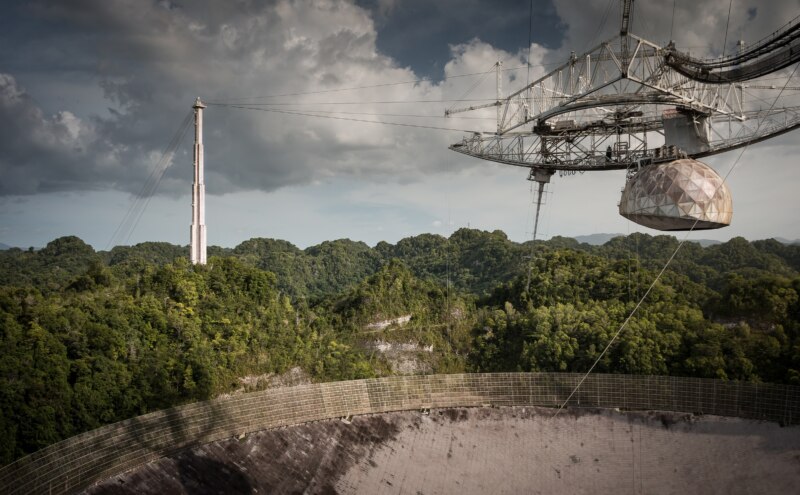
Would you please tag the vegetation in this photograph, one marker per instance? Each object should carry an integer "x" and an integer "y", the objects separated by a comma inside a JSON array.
[{"x": 89, "y": 338}]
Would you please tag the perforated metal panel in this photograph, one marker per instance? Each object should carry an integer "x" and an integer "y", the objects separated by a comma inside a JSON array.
[{"x": 674, "y": 195}]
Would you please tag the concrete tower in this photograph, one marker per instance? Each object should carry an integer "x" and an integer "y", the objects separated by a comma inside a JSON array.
[{"x": 197, "y": 235}]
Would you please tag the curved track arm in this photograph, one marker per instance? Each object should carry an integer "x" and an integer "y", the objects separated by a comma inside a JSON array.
[{"x": 780, "y": 50}]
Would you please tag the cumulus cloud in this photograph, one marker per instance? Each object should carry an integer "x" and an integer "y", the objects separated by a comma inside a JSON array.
[
  {"x": 151, "y": 59},
  {"x": 91, "y": 92},
  {"x": 39, "y": 152},
  {"x": 699, "y": 27}
]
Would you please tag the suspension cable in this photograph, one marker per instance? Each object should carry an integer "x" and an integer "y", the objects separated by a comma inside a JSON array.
[
  {"x": 381, "y": 85},
  {"x": 471, "y": 88},
  {"x": 727, "y": 24},
  {"x": 140, "y": 202},
  {"x": 530, "y": 29},
  {"x": 672, "y": 24},
  {"x": 658, "y": 277},
  {"x": 350, "y": 119},
  {"x": 372, "y": 102}
]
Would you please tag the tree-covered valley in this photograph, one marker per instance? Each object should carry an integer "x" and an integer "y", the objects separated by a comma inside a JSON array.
[{"x": 89, "y": 338}]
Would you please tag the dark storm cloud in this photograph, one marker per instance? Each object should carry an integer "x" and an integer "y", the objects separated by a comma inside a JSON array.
[
  {"x": 417, "y": 33},
  {"x": 146, "y": 61},
  {"x": 38, "y": 152},
  {"x": 151, "y": 59},
  {"x": 700, "y": 27}
]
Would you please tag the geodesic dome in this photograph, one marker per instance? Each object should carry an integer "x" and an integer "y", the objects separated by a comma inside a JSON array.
[{"x": 674, "y": 195}]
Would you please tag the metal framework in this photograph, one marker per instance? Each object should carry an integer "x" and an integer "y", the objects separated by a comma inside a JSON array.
[
  {"x": 197, "y": 231},
  {"x": 605, "y": 109}
]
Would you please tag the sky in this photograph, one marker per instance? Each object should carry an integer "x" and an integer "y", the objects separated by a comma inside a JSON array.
[{"x": 93, "y": 91}]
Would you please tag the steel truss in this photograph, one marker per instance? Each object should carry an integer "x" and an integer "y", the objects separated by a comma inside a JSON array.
[{"x": 603, "y": 110}]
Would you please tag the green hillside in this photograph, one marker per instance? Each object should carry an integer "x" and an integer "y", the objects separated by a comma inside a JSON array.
[{"x": 89, "y": 338}]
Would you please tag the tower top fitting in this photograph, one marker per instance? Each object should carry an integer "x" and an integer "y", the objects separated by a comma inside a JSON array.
[{"x": 198, "y": 103}]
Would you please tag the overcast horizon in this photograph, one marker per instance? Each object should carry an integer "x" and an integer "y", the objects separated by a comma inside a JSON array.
[
  {"x": 694, "y": 237},
  {"x": 91, "y": 93}
]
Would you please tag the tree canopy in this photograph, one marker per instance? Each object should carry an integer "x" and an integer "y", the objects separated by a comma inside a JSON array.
[{"x": 89, "y": 338}]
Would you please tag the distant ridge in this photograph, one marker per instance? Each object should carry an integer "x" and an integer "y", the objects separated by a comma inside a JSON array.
[
  {"x": 596, "y": 239},
  {"x": 706, "y": 242},
  {"x": 600, "y": 239},
  {"x": 4, "y": 247}
]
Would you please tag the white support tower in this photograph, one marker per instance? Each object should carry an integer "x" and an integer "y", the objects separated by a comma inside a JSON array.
[{"x": 197, "y": 239}]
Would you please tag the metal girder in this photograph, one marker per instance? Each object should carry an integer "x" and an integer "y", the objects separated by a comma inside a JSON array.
[
  {"x": 779, "y": 50},
  {"x": 585, "y": 147},
  {"x": 600, "y": 78},
  {"x": 583, "y": 152},
  {"x": 627, "y": 13},
  {"x": 580, "y": 113}
]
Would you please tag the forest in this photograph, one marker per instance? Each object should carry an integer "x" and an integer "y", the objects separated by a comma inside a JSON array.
[{"x": 93, "y": 337}]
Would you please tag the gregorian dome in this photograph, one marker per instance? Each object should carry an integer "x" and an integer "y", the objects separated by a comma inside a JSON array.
[{"x": 674, "y": 195}]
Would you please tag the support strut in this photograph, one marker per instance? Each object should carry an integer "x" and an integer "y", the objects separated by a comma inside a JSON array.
[{"x": 541, "y": 176}]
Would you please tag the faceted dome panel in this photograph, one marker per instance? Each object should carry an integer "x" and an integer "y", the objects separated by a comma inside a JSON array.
[{"x": 674, "y": 195}]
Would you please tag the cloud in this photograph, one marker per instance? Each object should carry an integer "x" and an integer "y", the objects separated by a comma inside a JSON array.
[
  {"x": 146, "y": 62},
  {"x": 699, "y": 27},
  {"x": 40, "y": 152},
  {"x": 152, "y": 59}
]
